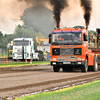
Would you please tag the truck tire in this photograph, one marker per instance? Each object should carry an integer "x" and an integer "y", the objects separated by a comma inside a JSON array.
[
  {"x": 64, "y": 69},
  {"x": 95, "y": 66},
  {"x": 15, "y": 59},
  {"x": 84, "y": 68},
  {"x": 56, "y": 68}
]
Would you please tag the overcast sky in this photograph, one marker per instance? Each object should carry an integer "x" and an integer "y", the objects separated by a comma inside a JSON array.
[{"x": 11, "y": 10}]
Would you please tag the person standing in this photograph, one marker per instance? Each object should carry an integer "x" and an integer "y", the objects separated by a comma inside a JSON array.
[{"x": 44, "y": 54}]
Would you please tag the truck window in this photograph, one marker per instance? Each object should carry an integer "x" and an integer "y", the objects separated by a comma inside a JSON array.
[
  {"x": 21, "y": 43},
  {"x": 67, "y": 38}
]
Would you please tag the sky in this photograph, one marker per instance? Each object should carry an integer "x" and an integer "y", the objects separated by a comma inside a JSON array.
[
  {"x": 11, "y": 10},
  {"x": 73, "y": 16}
]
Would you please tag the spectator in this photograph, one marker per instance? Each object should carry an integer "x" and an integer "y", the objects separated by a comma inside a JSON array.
[{"x": 44, "y": 54}]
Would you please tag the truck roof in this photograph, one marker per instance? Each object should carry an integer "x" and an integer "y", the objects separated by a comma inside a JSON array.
[
  {"x": 22, "y": 39},
  {"x": 67, "y": 30}
]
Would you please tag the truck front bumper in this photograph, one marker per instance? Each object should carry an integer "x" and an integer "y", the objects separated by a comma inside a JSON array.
[{"x": 68, "y": 63}]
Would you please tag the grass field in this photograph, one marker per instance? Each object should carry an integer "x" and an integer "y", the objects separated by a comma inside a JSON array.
[
  {"x": 4, "y": 56},
  {"x": 89, "y": 91},
  {"x": 23, "y": 63}
]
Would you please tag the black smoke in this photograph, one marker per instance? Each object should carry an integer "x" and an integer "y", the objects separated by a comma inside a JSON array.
[
  {"x": 87, "y": 7},
  {"x": 58, "y": 6}
]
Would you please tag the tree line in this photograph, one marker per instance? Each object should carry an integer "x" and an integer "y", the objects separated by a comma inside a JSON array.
[
  {"x": 19, "y": 32},
  {"x": 37, "y": 21}
]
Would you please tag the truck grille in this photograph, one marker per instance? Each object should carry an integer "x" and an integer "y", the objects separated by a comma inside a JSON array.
[
  {"x": 67, "y": 51},
  {"x": 67, "y": 58},
  {"x": 19, "y": 53}
]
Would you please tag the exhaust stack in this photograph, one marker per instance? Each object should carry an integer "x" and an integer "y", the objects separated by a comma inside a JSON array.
[
  {"x": 87, "y": 28},
  {"x": 58, "y": 26}
]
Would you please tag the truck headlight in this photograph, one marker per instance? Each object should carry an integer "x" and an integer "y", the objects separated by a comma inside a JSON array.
[
  {"x": 79, "y": 58},
  {"x": 54, "y": 59},
  {"x": 77, "y": 51},
  {"x": 54, "y": 63},
  {"x": 79, "y": 63}
]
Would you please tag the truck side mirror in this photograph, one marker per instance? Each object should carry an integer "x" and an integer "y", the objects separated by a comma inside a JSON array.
[
  {"x": 49, "y": 38},
  {"x": 85, "y": 37}
]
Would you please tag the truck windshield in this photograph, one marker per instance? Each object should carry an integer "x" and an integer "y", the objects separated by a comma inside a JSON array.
[
  {"x": 21, "y": 43},
  {"x": 67, "y": 38}
]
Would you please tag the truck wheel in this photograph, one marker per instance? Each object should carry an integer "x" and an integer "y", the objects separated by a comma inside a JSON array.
[
  {"x": 95, "y": 66},
  {"x": 56, "y": 68},
  {"x": 15, "y": 59},
  {"x": 64, "y": 69},
  {"x": 84, "y": 68}
]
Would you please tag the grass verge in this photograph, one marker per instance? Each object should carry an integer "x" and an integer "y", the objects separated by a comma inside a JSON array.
[
  {"x": 89, "y": 91},
  {"x": 3, "y": 55},
  {"x": 14, "y": 64}
]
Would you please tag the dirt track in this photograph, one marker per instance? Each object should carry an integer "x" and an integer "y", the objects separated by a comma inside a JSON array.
[{"x": 28, "y": 79}]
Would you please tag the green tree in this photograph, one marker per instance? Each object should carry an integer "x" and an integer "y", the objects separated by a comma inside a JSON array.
[
  {"x": 81, "y": 27},
  {"x": 1, "y": 35},
  {"x": 27, "y": 33},
  {"x": 39, "y": 18},
  {"x": 3, "y": 43}
]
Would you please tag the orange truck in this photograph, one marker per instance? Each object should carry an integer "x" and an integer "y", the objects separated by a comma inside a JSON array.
[{"x": 69, "y": 49}]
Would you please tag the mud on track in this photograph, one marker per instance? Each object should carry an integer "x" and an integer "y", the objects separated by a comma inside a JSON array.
[{"x": 16, "y": 81}]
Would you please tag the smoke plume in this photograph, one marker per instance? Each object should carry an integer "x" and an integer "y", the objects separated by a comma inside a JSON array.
[
  {"x": 86, "y": 5},
  {"x": 58, "y": 6}
]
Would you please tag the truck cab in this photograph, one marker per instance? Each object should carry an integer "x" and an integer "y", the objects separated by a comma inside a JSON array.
[
  {"x": 69, "y": 49},
  {"x": 23, "y": 48}
]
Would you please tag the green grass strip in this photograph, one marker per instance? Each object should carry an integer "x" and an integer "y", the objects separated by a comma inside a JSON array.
[
  {"x": 89, "y": 91},
  {"x": 4, "y": 56},
  {"x": 14, "y": 64}
]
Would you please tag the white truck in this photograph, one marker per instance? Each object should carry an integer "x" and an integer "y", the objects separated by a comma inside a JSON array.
[{"x": 23, "y": 48}]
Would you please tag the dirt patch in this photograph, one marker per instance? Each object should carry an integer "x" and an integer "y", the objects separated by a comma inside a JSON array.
[{"x": 16, "y": 81}]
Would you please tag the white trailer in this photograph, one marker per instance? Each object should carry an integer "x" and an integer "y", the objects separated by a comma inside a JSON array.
[{"x": 23, "y": 48}]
